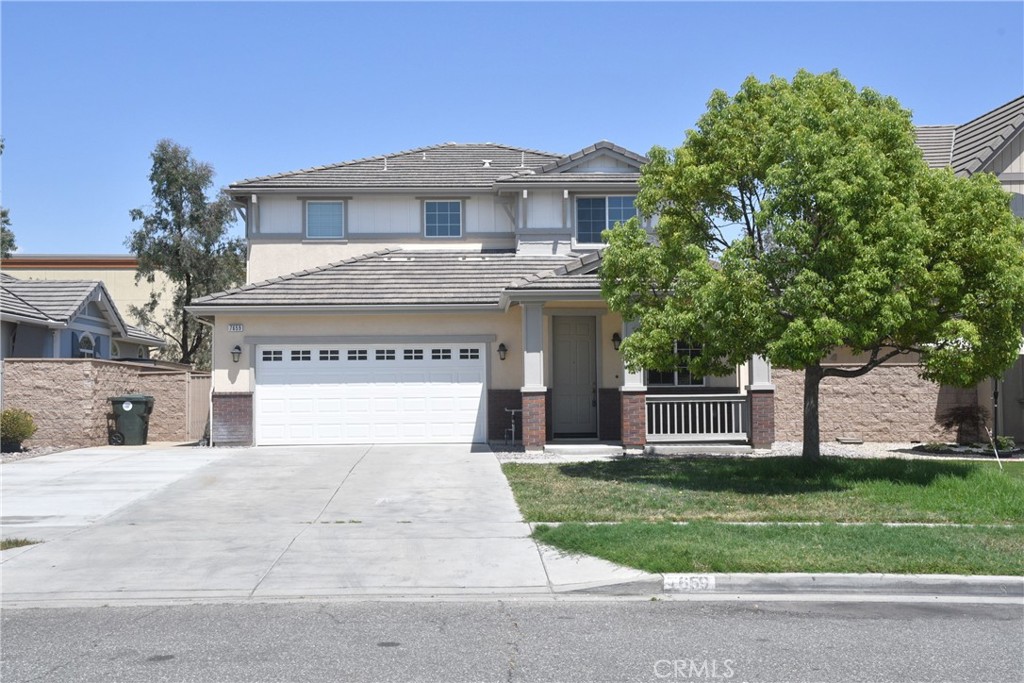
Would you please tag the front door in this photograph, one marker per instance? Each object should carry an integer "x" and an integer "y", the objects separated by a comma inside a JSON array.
[{"x": 574, "y": 370}]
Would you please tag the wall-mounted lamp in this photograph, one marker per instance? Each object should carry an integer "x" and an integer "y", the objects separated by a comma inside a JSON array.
[
  {"x": 236, "y": 353},
  {"x": 616, "y": 341},
  {"x": 502, "y": 350}
]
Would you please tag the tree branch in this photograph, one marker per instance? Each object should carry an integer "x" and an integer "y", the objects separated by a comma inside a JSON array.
[{"x": 873, "y": 363}]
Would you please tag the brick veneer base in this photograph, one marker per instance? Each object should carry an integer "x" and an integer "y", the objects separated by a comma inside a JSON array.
[
  {"x": 534, "y": 420},
  {"x": 634, "y": 419},
  {"x": 762, "y": 418},
  {"x": 232, "y": 419}
]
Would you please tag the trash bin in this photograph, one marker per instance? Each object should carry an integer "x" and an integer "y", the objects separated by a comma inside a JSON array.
[{"x": 132, "y": 414}]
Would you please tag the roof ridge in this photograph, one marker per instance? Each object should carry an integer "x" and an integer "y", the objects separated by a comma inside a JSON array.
[{"x": 391, "y": 155}]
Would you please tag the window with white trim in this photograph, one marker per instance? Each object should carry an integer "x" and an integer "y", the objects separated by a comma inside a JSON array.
[
  {"x": 86, "y": 346},
  {"x": 681, "y": 375},
  {"x": 442, "y": 218},
  {"x": 325, "y": 219},
  {"x": 594, "y": 215}
]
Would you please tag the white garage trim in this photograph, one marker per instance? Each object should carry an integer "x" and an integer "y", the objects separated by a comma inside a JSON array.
[{"x": 324, "y": 393}]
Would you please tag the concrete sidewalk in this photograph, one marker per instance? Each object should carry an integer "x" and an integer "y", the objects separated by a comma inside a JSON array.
[{"x": 197, "y": 524}]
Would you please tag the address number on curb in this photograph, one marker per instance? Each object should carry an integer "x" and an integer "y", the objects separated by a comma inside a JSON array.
[{"x": 690, "y": 583}]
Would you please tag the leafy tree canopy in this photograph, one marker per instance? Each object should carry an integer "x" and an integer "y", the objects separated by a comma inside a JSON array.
[
  {"x": 799, "y": 217},
  {"x": 184, "y": 236}
]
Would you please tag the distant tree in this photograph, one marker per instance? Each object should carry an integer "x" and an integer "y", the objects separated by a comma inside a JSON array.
[
  {"x": 7, "y": 245},
  {"x": 799, "y": 217},
  {"x": 184, "y": 236}
]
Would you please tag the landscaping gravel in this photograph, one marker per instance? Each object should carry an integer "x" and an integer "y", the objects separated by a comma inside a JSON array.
[{"x": 31, "y": 453}]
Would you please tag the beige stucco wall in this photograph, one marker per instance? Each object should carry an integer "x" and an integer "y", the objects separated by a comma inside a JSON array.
[{"x": 889, "y": 404}]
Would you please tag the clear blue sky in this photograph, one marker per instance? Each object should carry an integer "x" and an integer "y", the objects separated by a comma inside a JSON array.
[{"x": 89, "y": 88}]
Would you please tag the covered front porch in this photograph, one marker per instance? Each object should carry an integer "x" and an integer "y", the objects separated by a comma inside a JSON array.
[{"x": 576, "y": 389}]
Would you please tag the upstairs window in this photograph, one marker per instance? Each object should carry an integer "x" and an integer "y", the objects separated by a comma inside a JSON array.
[
  {"x": 442, "y": 218},
  {"x": 681, "y": 375},
  {"x": 597, "y": 214},
  {"x": 325, "y": 219}
]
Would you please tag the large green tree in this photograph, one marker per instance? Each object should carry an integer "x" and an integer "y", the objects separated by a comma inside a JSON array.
[
  {"x": 799, "y": 217},
  {"x": 184, "y": 235},
  {"x": 7, "y": 245}
]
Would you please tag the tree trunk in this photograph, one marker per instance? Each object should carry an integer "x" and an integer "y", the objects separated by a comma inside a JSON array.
[{"x": 812, "y": 432}]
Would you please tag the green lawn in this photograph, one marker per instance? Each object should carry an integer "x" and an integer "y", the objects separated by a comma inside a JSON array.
[
  {"x": 715, "y": 547},
  {"x": 639, "y": 496},
  {"x": 770, "y": 490}
]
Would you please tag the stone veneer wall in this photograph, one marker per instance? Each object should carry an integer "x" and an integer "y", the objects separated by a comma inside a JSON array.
[
  {"x": 169, "y": 421},
  {"x": 69, "y": 399},
  {"x": 890, "y": 403}
]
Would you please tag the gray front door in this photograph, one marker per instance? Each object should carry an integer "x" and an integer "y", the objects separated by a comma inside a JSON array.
[
  {"x": 574, "y": 370},
  {"x": 1013, "y": 401}
]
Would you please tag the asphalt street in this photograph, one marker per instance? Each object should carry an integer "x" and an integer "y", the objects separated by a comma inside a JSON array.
[{"x": 517, "y": 640}]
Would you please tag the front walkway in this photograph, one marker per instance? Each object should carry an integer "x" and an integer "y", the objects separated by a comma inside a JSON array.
[{"x": 284, "y": 522}]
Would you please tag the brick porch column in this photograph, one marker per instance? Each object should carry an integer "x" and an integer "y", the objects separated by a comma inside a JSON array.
[
  {"x": 634, "y": 420},
  {"x": 535, "y": 427},
  {"x": 231, "y": 422},
  {"x": 761, "y": 401}
]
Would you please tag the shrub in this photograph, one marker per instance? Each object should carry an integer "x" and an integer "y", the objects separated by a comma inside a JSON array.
[
  {"x": 1005, "y": 443},
  {"x": 16, "y": 425},
  {"x": 968, "y": 421},
  {"x": 933, "y": 447}
]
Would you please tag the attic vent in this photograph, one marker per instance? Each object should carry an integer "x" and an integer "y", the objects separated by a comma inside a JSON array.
[
  {"x": 487, "y": 163},
  {"x": 424, "y": 156}
]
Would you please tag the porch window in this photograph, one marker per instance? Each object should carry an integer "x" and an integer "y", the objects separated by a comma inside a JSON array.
[
  {"x": 681, "y": 376},
  {"x": 442, "y": 218},
  {"x": 597, "y": 214},
  {"x": 325, "y": 219}
]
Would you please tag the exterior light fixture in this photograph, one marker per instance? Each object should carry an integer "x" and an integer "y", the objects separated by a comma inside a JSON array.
[
  {"x": 236, "y": 353},
  {"x": 616, "y": 341},
  {"x": 502, "y": 350}
]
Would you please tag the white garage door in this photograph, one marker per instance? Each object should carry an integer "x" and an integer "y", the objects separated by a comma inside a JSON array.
[{"x": 370, "y": 393}]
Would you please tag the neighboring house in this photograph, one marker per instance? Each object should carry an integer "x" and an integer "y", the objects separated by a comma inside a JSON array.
[
  {"x": 992, "y": 143},
  {"x": 116, "y": 272},
  {"x": 66, "y": 319},
  {"x": 421, "y": 296}
]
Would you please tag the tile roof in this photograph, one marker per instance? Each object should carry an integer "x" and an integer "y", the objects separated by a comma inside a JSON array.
[
  {"x": 58, "y": 300},
  {"x": 399, "y": 277},
  {"x": 936, "y": 142},
  {"x": 979, "y": 140},
  {"x": 969, "y": 147},
  {"x": 450, "y": 165}
]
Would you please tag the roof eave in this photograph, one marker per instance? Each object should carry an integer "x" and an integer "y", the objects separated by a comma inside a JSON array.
[
  {"x": 516, "y": 296},
  {"x": 293, "y": 309}
]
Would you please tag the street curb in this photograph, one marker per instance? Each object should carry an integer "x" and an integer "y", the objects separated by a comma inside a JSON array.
[{"x": 877, "y": 584}]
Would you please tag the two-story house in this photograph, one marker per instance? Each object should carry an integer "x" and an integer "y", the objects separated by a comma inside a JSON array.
[
  {"x": 437, "y": 294},
  {"x": 461, "y": 289}
]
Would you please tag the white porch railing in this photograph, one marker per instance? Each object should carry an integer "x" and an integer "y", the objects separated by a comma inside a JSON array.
[{"x": 696, "y": 418}]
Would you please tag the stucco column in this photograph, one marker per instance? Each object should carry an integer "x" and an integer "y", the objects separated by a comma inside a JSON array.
[
  {"x": 634, "y": 404},
  {"x": 761, "y": 402},
  {"x": 535, "y": 425}
]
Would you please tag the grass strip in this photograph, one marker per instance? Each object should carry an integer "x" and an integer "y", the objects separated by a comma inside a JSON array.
[
  {"x": 713, "y": 547},
  {"x": 770, "y": 490},
  {"x": 8, "y": 543}
]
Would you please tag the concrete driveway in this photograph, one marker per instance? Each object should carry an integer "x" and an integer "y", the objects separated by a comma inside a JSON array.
[{"x": 282, "y": 522}]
